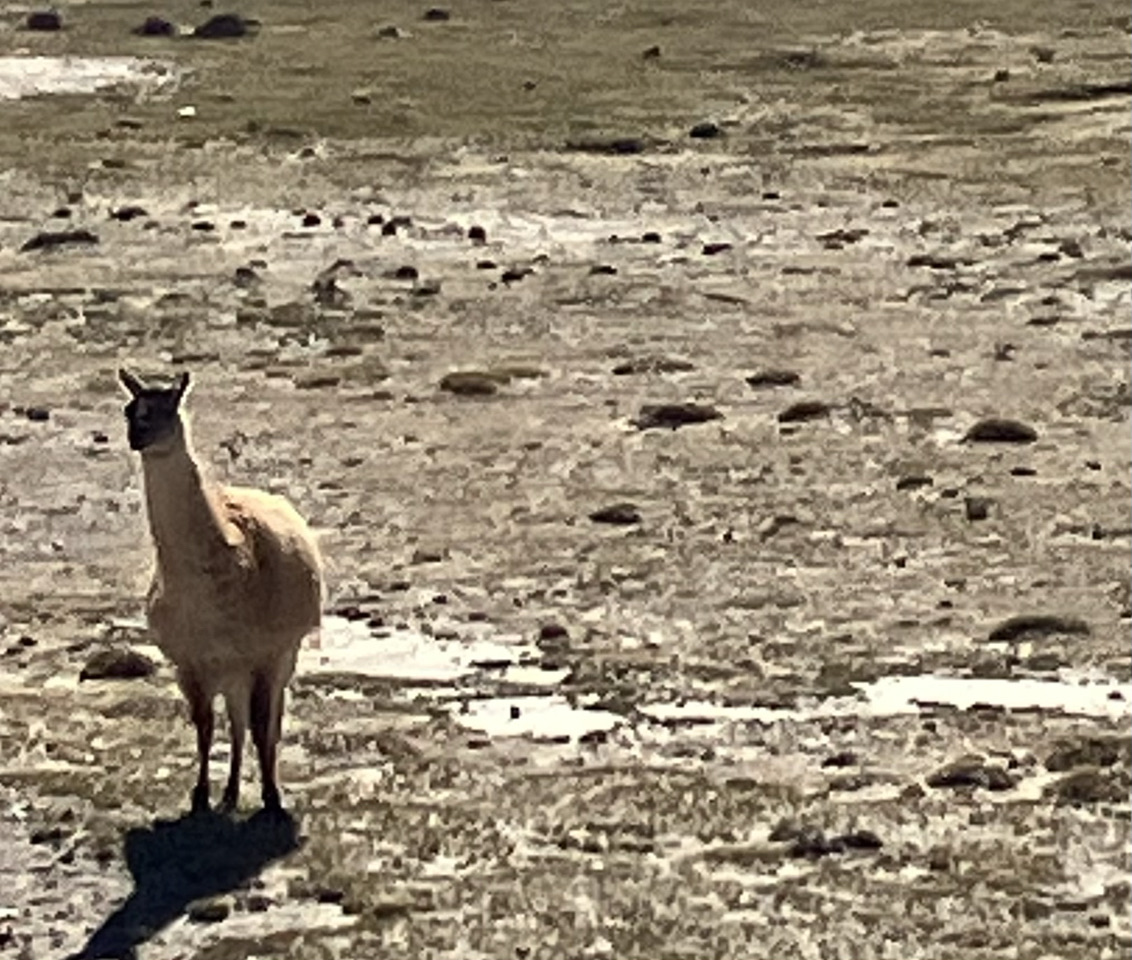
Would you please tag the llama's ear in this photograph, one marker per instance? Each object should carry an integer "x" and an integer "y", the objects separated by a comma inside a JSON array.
[
  {"x": 182, "y": 385},
  {"x": 130, "y": 382}
]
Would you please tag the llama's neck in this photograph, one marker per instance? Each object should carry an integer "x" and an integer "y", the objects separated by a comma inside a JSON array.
[{"x": 184, "y": 516}]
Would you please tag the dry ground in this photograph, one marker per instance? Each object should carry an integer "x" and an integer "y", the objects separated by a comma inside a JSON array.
[{"x": 926, "y": 218}]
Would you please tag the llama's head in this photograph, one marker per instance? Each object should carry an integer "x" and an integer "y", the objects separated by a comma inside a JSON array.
[{"x": 153, "y": 418}]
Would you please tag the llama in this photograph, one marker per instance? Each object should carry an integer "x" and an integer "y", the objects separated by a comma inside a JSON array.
[{"x": 237, "y": 585}]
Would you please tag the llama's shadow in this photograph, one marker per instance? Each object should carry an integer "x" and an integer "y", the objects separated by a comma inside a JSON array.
[{"x": 174, "y": 862}]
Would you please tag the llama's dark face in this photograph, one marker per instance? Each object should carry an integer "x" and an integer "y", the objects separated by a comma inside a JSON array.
[{"x": 153, "y": 413}]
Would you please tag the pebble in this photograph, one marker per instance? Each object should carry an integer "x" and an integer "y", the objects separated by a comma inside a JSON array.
[
  {"x": 117, "y": 664},
  {"x": 1000, "y": 430},
  {"x": 914, "y": 481},
  {"x": 436, "y": 15},
  {"x": 653, "y": 364},
  {"x": 155, "y": 27},
  {"x": 711, "y": 249},
  {"x": 805, "y": 410},
  {"x": 129, "y": 212},
  {"x": 44, "y": 20},
  {"x": 618, "y": 514},
  {"x": 1031, "y": 625},
  {"x": 477, "y": 234},
  {"x": 706, "y": 130},
  {"x": 971, "y": 772},
  {"x": 674, "y": 415},
  {"x": 774, "y": 377},
  {"x": 50, "y": 239},
  {"x": 224, "y": 26},
  {"x": 470, "y": 383},
  {"x": 212, "y": 910},
  {"x": 977, "y": 508}
]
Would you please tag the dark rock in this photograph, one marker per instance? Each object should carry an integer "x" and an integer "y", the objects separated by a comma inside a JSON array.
[
  {"x": 913, "y": 481},
  {"x": 427, "y": 288},
  {"x": 44, "y": 20},
  {"x": 1038, "y": 625},
  {"x": 61, "y": 213},
  {"x": 774, "y": 377},
  {"x": 971, "y": 773},
  {"x": 977, "y": 508},
  {"x": 49, "y": 239},
  {"x": 1023, "y": 472},
  {"x": 203, "y": 226},
  {"x": 651, "y": 53},
  {"x": 674, "y": 415},
  {"x": 705, "y": 130},
  {"x": 391, "y": 32},
  {"x": 129, "y": 212},
  {"x": 375, "y": 219},
  {"x": 845, "y": 758},
  {"x": 652, "y": 364},
  {"x": 393, "y": 224},
  {"x": 650, "y": 236},
  {"x": 711, "y": 249},
  {"x": 1088, "y": 751},
  {"x": 603, "y": 269},
  {"x": 436, "y": 15},
  {"x": 1000, "y": 430},
  {"x": 38, "y": 414},
  {"x": 212, "y": 910},
  {"x": 811, "y": 842},
  {"x": 841, "y": 237},
  {"x": 553, "y": 631},
  {"x": 614, "y": 146},
  {"x": 486, "y": 265},
  {"x": 515, "y": 274},
  {"x": 311, "y": 219},
  {"x": 804, "y": 410},
  {"x": 620, "y": 514},
  {"x": 224, "y": 26},
  {"x": 934, "y": 261},
  {"x": 470, "y": 383},
  {"x": 155, "y": 27},
  {"x": 406, "y": 272},
  {"x": 477, "y": 234},
  {"x": 1089, "y": 785},
  {"x": 117, "y": 664},
  {"x": 1001, "y": 75},
  {"x": 858, "y": 840}
]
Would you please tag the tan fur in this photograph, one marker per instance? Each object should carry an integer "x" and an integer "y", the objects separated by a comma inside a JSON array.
[{"x": 238, "y": 584}]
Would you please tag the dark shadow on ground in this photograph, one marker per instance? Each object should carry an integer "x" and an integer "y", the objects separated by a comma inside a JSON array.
[{"x": 175, "y": 862}]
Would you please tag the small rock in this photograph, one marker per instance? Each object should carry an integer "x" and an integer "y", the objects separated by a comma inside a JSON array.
[
  {"x": 1001, "y": 75},
  {"x": 914, "y": 481},
  {"x": 1090, "y": 785},
  {"x": 391, "y": 32},
  {"x": 650, "y": 236},
  {"x": 845, "y": 758},
  {"x": 117, "y": 664},
  {"x": 155, "y": 27},
  {"x": 603, "y": 269},
  {"x": 1037, "y": 625},
  {"x": 653, "y": 364},
  {"x": 1090, "y": 751},
  {"x": 977, "y": 508},
  {"x": 44, "y": 20},
  {"x": 406, "y": 272},
  {"x": 212, "y": 910},
  {"x": 37, "y": 414},
  {"x": 970, "y": 772},
  {"x": 436, "y": 15},
  {"x": 470, "y": 383},
  {"x": 515, "y": 274},
  {"x": 224, "y": 26},
  {"x": 621, "y": 514},
  {"x": 426, "y": 555},
  {"x": 674, "y": 415},
  {"x": 1000, "y": 430},
  {"x": 393, "y": 224},
  {"x": 50, "y": 239},
  {"x": 613, "y": 146},
  {"x": 311, "y": 219},
  {"x": 129, "y": 212},
  {"x": 203, "y": 226},
  {"x": 651, "y": 53},
  {"x": 477, "y": 234},
  {"x": 552, "y": 631},
  {"x": 774, "y": 377},
  {"x": 858, "y": 840},
  {"x": 705, "y": 130},
  {"x": 804, "y": 410},
  {"x": 711, "y": 249}
]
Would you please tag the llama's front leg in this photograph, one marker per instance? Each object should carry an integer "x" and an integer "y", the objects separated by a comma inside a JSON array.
[
  {"x": 238, "y": 709},
  {"x": 266, "y": 724},
  {"x": 200, "y": 711}
]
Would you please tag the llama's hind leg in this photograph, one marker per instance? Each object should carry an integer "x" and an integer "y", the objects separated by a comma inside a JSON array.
[
  {"x": 238, "y": 717},
  {"x": 200, "y": 712},
  {"x": 266, "y": 724}
]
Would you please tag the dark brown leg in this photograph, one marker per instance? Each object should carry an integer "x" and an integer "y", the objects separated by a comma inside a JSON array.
[
  {"x": 200, "y": 712},
  {"x": 265, "y": 724},
  {"x": 238, "y": 725}
]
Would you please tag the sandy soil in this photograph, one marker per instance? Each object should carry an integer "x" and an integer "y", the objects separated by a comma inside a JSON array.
[{"x": 589, "y": 687}]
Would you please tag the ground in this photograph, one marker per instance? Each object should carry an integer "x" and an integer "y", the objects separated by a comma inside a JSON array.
[{"x": 827, "y": 676}]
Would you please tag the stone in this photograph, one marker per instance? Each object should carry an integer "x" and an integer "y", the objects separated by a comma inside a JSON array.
[
  {"x": 44, "y": 21},
  {"x": 1000, "y": 430},
  {"x": 224, "y": 26},
  {"x": 774, "y": 377},
  {"x": 705, "y": 130},
  {"x": 1032, "y": 625},
  {"x": 653, "y": 364},
  {"x": 971, "y": 772},
  {"x": 117, "y": 664},
  {"x": 805, "y": 410},
  {"x": 618, "y": 514},
  {"x": 155, "y": 27},
  {"x": 51, "y": 239},
  {"x": 674, "y": 415},
  {"x": 470, "y": 383}
]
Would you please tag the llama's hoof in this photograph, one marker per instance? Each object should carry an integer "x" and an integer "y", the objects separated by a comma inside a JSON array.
[
  {"x": 228, "y": 804},
  {"x": 200, "y": 800},
  {"x": 273, "y": 803}
]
